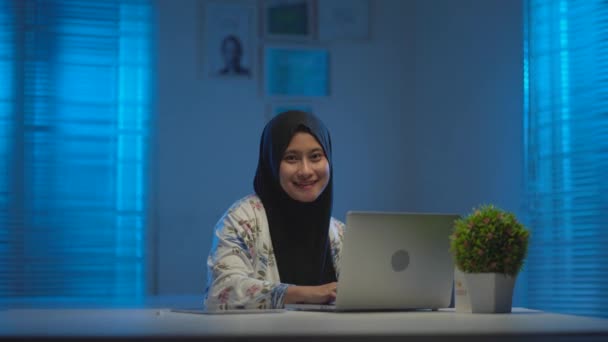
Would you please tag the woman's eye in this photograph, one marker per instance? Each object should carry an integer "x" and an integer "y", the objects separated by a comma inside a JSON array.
[
  {"x": 316, "y": 156},
  {"x": 290, "y": 158}
]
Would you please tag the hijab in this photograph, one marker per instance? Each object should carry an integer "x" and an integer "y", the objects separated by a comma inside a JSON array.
[{"x": 299, "y": 231}]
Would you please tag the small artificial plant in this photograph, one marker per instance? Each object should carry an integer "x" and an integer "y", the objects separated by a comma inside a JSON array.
[{"x": 489, "y": 240}]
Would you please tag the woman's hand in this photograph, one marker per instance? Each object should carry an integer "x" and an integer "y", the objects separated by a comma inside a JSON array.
[{"x": 311, "y": 294}]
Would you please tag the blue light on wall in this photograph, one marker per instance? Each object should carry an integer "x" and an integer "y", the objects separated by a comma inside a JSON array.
[
  {"x": 566, "y": 142},
  {"x": 77, "y": 105}
]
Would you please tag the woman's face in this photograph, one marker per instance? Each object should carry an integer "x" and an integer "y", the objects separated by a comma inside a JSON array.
[{"x": 304, "y": 170}]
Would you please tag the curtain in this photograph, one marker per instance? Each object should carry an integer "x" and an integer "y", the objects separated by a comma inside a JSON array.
[
  {"x": 75, "y": 114},
  {"x": 566, "y": 154}
]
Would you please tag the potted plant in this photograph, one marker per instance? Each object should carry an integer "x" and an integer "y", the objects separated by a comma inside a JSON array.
[{"x": 489, "y": 247}]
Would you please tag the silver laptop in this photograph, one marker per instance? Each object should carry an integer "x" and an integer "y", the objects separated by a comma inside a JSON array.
[{"x": 393, "y": 261}]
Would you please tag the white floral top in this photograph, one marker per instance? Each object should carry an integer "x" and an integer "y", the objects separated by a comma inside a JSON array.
[{"x": 241, "y": 268}]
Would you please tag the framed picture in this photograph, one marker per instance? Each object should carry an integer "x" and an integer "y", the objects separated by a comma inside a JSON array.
[
  {"x": 296, "y": 71},
  {"x": 288, "y": 19},
  {"x": 229, "y": 33},
  {"x": 279, "y": 107},
  {"x": 343, "y": 20}
]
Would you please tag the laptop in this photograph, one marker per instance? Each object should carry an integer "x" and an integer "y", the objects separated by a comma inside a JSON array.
[{"x": 393, "y": 261}]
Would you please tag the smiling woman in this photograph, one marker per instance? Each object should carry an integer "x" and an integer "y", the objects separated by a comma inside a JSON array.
[{"x": 281, "y": 244}]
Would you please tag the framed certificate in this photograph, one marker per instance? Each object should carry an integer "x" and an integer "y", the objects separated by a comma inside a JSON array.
[{"x": 296, "y": 71}]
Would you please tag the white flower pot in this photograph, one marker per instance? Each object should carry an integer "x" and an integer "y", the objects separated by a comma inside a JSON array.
[
  {"x": 489, "y": 292},
  {"x": 462, "y": 301}
]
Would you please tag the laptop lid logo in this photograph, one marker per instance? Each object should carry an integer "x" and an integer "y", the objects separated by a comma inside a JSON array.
[{"x": 400, "y": 260}]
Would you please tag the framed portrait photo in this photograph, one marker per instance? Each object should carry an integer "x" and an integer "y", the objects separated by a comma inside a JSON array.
[
  {"x": 228, "y": 36},
  {"x": 288, "y": 19}
]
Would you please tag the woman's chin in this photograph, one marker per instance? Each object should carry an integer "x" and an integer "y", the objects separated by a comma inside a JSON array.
[
  {"x": 306, "y": 199},
  {"x": 305, "y": 196}
]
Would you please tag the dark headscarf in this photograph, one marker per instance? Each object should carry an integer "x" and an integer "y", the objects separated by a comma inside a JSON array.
[{"x": 299, "y": 231}]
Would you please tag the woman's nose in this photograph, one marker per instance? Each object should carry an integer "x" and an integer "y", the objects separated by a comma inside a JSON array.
[{"x": 305, "y": 168}]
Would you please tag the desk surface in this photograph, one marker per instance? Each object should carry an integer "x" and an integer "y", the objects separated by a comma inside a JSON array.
[{"x": 521, "y": 325}]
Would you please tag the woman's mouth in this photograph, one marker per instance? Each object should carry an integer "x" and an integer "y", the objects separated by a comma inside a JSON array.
[{"x": 305, "y": 185}]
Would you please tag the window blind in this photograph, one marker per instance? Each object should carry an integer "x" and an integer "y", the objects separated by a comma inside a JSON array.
[
  {"x": 7, "y": 87},
  {"x": 75, "y": 100},
  {"x": 566, "y": 154}
]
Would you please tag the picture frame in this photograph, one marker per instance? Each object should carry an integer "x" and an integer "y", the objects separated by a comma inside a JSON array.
[
  {"x": 229, "y": 46},
  {"x": 343, "y": 20},
  {"x": 296, "y": 71},
  {"x": 288, "y": 20}
]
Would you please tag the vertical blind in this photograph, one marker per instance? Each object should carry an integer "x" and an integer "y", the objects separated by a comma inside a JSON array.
[
  {"x": 7, "y": 53},
  {"x": 74, "y": 132},
  {"x": 566, "y": 154}
]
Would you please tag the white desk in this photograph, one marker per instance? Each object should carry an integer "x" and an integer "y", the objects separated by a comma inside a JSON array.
[{"x": 161, "y": 324}]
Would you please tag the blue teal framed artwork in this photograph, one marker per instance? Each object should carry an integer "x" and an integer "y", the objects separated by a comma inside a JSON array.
[{"x": 296, "y": 72}]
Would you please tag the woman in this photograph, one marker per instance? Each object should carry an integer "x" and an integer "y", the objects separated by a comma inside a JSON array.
[{"x": 280, "y": 245}]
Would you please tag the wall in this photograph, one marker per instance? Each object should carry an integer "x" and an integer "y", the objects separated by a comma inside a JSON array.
[
  {"x": 469, "y": 100},
  {"x": 425, "y": 116},
  {"x": 468, "y": 104}
]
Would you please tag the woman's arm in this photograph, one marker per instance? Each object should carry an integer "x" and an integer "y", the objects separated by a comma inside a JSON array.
[
  {"x": 311, "y": 294},
  {"x": 232, "y": 282}
]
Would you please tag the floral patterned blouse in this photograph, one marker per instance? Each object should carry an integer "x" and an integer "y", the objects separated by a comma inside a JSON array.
[{"x": 241, "y": 269}]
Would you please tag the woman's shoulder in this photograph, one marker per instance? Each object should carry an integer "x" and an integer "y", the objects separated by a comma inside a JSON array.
[
  {"x": 250, "y": 204},
  {"x": 335, "y": 222},
  {"x": 337, "y": 226},
  {"x": 246, "y": 212}
]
